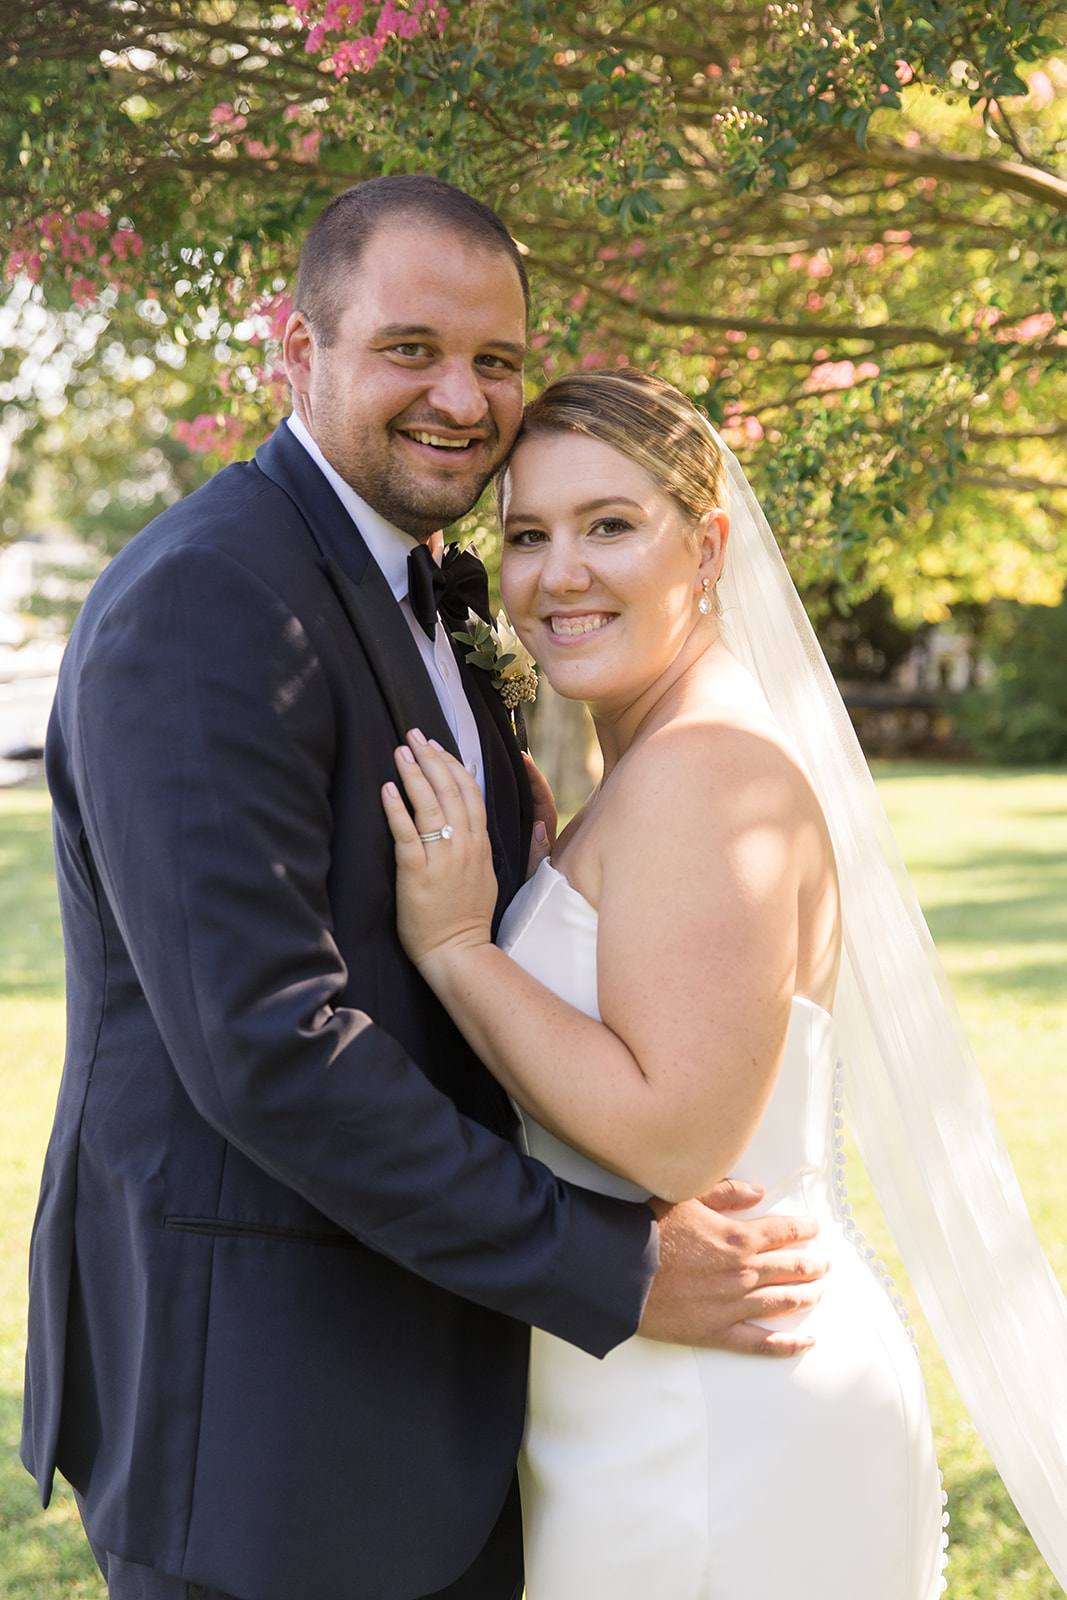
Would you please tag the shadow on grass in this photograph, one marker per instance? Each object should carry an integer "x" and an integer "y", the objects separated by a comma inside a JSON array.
[{"x": 42, "y": 1553}]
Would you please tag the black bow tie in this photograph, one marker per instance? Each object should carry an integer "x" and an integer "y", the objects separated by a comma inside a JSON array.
[{"x": 459, "y": 585}]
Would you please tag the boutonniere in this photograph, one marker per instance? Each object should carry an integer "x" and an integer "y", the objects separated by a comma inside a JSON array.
[{"x": 498, "y": 650}]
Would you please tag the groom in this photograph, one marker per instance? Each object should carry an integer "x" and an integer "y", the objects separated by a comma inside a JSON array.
[{"x": 286, "y": 1254}]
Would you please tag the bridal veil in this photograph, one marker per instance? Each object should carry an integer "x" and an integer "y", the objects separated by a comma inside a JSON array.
[{"x": 917, "y": 1106}]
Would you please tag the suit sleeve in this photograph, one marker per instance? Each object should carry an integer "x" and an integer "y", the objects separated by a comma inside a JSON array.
[{"x": 202, "y": 740}]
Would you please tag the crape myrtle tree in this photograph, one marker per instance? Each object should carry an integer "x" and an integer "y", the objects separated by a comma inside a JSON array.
[{"x": 842, "y": 231}]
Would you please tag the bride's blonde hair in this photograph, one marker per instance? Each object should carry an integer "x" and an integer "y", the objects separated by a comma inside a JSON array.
[{"x": 643, "y": 418}]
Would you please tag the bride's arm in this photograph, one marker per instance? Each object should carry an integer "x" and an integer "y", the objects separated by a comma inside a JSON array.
[{"x": 697, "y": 951}]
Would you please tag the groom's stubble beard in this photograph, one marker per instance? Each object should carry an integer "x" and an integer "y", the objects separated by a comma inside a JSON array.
[{"x": 411, "y": 496}]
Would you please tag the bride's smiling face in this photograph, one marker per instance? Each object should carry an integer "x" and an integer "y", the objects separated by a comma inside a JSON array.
[{"x": 602, "y": 569}]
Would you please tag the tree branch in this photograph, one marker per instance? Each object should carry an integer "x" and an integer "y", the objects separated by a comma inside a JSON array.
[
  {"x": 1008, "y": 177},
  {"x": 878, "y": 333}
]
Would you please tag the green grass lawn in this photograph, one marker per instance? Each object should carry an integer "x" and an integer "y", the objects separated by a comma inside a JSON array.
[{"x": 988, "y": 854}]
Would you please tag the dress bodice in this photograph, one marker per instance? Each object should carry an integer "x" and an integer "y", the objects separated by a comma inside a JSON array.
[
  {"x": 551, "y": 931},
  {"x": 650, "y": 1471}
]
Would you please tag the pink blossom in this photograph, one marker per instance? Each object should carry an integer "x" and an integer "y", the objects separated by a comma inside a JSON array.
[
  {"x": 358, "y": 55},
  {"x": 753, "y": 428},
  {"x": 912, "y": 138},
  {"x": 815, "y": 301},
  {"x": 91, "y": 219},
  {"x": 905, "y": 73},
  {"x": 217, "y": 432},
  {"x": 1034, "y": 327},
  {"x": 867, "y": 369},
  {"x": 225, "y": 117},
  {"x": 1041, "y": 91},
  {"x": 896, "y": 235},
  {"x": 25, "y": 261},
  {"x": 734, "y": 336},
  {"x": 276, "y": 309},
  {"x": 873, "y": 254},
  {"x": 82, "y": 291},
  {"x": 796, "y": 261},
  {"x": 125, "y": 243},
  {"x": 819, "y": 267},
  {"x": 831, "y": 375}
]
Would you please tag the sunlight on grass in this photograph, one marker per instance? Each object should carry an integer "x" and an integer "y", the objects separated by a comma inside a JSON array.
[
  {"x": 988, "y": 856},
  {"x": 987, "y": 853}
]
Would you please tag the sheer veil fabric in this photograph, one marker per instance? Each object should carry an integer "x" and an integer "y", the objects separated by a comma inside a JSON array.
[{"x": 916, "y": 1103}]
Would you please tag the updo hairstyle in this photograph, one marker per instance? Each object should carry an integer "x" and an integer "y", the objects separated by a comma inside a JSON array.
[{"x": 643, "y": 418}]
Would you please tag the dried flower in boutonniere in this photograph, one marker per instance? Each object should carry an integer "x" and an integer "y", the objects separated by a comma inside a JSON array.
[{"x": 499, "y": 651}]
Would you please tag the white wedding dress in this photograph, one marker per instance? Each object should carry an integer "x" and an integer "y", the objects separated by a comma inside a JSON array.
[{"x": 666, "y": 1473}]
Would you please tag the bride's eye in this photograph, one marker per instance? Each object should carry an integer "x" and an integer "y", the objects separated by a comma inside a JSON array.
[
  {"x": 611, "y": 525},
  {"x": 524, "y": 538}
]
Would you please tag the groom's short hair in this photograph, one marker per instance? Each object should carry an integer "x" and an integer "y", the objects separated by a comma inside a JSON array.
[{"x": 341, "y": 232}]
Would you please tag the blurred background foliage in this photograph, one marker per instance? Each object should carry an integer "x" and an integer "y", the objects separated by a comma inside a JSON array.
[{"x": 842, "y": 230}]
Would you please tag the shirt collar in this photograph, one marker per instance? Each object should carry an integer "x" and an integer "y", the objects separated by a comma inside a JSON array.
[{"x": 388, "y": 545}]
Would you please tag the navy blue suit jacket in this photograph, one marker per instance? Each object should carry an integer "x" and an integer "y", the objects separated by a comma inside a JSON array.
[{"x": 285, "y": 1254}]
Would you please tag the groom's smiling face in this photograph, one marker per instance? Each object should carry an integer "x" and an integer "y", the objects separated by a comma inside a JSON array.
[{"x": 417, "y": 398}]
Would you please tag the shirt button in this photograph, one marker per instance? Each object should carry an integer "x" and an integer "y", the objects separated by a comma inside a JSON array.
[{"x": 472, "y": 768}]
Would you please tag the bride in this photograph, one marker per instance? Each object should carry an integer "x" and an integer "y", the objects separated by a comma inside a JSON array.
[{"x": 661, "y": 1006}]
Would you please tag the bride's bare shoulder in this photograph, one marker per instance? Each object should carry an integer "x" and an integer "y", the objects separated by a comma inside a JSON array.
[{"x": 720, "y": 743}]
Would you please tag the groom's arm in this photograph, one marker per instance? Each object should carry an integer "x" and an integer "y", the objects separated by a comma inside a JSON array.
[{"x": 203, "y": 741}]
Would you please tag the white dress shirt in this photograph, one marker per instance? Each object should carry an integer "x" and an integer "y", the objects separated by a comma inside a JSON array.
[{"x": 389, "y": 547}]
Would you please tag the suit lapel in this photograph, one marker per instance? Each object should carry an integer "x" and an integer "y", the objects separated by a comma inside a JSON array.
[
  {"x": 394, "y": 657},
  {"x": 357, "y": 580}
]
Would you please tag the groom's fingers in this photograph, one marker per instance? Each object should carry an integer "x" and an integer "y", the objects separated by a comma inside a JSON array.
[
  {"x": 748, "y": 1338},
  {"x": 719, "y": 1270}
]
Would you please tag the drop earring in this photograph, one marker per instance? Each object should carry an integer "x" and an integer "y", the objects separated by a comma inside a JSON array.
[{"x": 704, "y": 603}]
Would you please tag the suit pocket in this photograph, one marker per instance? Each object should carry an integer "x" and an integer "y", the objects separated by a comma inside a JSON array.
[{"x": 225, "y": 1228}]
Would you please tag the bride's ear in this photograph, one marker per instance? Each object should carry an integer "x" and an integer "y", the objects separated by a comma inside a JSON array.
[{"x": 714, "y": 533}]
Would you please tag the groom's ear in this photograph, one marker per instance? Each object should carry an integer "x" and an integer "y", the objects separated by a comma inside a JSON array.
[{"x": 298, "y": 352}]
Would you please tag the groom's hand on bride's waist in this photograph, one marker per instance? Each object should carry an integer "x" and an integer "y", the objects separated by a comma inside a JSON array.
[{"x": 718, "y": 1270}]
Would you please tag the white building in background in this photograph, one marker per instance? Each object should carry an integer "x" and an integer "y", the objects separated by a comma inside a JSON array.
[{"x": 31, "y": 650}]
